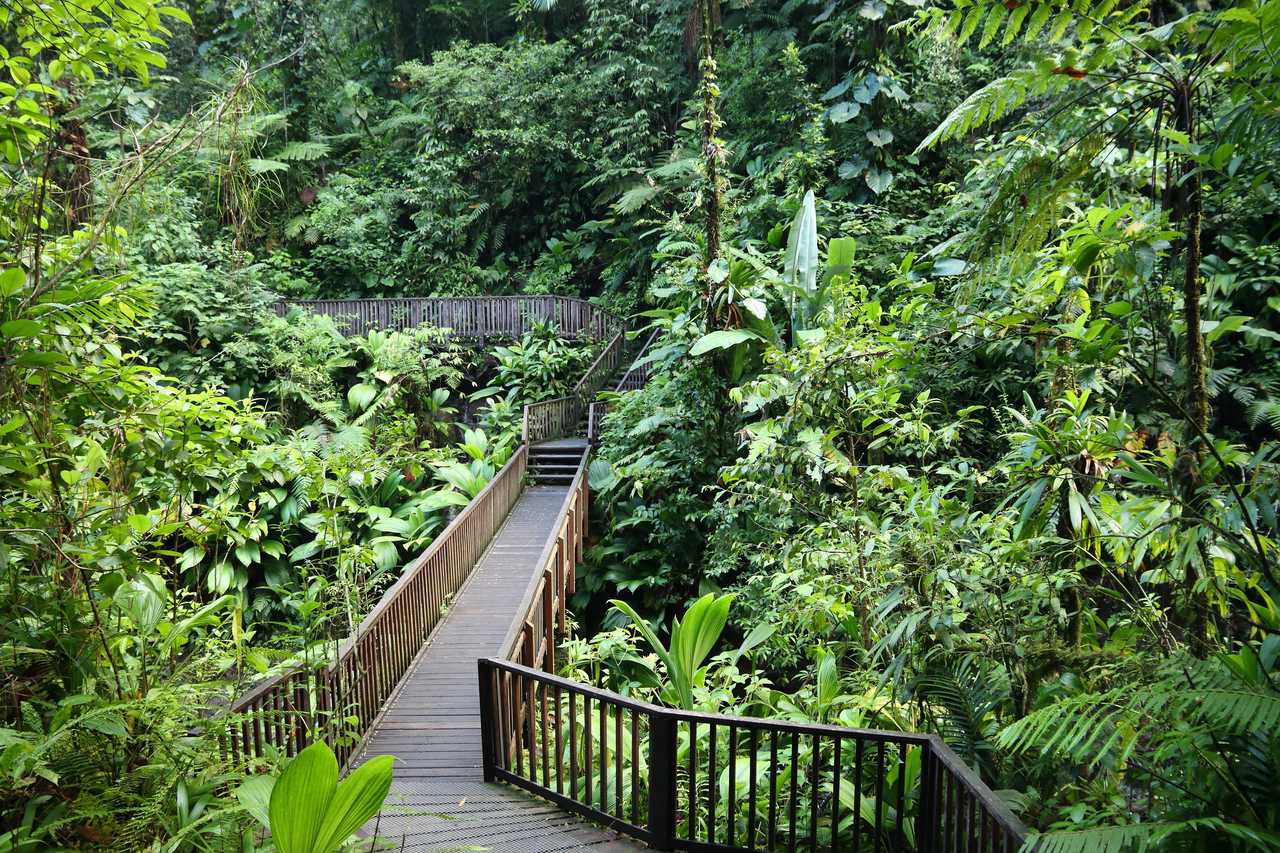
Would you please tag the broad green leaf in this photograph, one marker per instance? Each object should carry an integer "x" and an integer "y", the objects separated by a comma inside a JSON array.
[
  {"x": 357, "y": 800},
  {"x": 801, "y": 265},
  {"x": 843, "y": 112},
  {"x": 880, "y": 137},
  {"x": 254, "y": 794},
  {"x": 20, "y": 329},
  {"x": 722, "y": 339},
  {"x": 879, "y": 180},
  {"x": 12, "y": 280},
  {"x": 301, "y": 798},
  {"x": 361, "y": 396}
]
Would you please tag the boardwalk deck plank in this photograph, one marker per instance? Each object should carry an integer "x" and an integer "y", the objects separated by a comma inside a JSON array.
[{"x": 438, "y": 798}]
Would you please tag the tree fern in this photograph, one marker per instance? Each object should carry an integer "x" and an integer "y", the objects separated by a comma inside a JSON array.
[
  {"x": 1030, "y": 23},
  {"x": 1103, "y": 728},
  {"x": 1265, "y": 411}
]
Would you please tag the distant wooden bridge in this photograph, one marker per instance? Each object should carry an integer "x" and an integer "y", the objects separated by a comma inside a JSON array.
[{"x": 453, "y": 672}]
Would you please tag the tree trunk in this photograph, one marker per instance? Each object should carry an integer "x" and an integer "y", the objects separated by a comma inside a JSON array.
[{"x": 1189, "y": 211}]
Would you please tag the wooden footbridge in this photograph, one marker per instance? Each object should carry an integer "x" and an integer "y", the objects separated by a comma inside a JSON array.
[{"x": 453, "y": 673}]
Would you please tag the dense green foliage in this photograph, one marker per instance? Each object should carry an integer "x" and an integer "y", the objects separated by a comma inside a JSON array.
[{"x": 966, "y": 384}]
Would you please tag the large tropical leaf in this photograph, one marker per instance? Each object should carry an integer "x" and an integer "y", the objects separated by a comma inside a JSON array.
[{"x": 801, "y": 267}]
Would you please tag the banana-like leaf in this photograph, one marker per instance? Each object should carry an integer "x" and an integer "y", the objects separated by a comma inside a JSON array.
[
  {"x": 309, "y": 811},
  {"x": 693, "y": 638},
  {"x": 658, "y": 648},
  {"x": 801, "y": 267},
  {"x": 255, "y": 795}
]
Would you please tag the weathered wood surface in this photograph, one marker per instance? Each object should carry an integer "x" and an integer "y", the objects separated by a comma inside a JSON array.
[{"x": 431, "y": 724}]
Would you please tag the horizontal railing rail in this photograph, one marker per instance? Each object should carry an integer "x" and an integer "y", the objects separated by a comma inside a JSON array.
[
  {"x": 338, "y": 702},
  {"x": 469, "y": 316},
  {"x": 696, "y": 781}
]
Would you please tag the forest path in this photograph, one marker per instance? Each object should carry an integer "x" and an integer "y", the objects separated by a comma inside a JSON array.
[{"x": 439, "y": 800}]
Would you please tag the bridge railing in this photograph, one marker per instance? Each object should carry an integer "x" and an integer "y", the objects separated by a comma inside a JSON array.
[
  {"x": 635, "y": 378},
  {"x": 339, "y": 702},
  {"x": 638, "y": 374},
  {"x": 531, "y": 638},
  {"x": 694, "y": 781},
  {"x": 469, "y": 316},
  {"x": 560, "y": 416}
]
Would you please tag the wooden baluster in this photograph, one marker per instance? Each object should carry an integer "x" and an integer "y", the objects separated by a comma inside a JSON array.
[
  {"x": 857, "y": 793},
  {"x": 586, "y": 746},
  {"x": 879, "y": 793},
  {"x": 836, "y": 745},
  {"x": 713, "y": 782},
  {"x": 771, "y": 838},
  {"x": 751, "y": 789},
  {"x": 559, "y": 745},
  {"x": 617, "y": 761},
  {"x": 573, "y": 746},
  {"x": 692, "y": 808}
]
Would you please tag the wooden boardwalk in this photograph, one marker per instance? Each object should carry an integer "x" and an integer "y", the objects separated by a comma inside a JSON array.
[{"x": 439, "y": 800}]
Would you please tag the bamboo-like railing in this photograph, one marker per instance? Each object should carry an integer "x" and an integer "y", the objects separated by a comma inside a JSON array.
[
  {"x": 694, "y": 781},
  {"x": 468, "y": 317},
  {"x": 339, "y": 702}
]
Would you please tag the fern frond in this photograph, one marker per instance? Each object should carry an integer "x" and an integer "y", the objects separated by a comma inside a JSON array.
[
  {"x": 1118, "y": 839},
  {"x": 1265, "y": 411},
  {"x": 302, "y": 150},
  {"x": 636, "y": 197},
  {"x": 1028, "y": 22},
  {"x": 994, "y": 101}
]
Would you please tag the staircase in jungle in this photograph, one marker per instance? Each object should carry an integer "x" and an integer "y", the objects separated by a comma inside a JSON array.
[{"x": 453, "y": 673}]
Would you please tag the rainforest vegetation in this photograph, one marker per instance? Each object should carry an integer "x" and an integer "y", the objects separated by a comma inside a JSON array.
[{"x": 965, "y": 395}]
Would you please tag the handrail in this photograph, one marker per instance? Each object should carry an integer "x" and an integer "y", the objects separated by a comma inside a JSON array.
[
  {"x": 535, "y": 737},
  {"x": 636, "y": 377},
  {"x": 465, "y": 316},
  {"x": 638, "y": 374},
  {"x": 543, "y": 607},
  {"x": 339, "y": 702},
  {"x": 558, "y": 417}
]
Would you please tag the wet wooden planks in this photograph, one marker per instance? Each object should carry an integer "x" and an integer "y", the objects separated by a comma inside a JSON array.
[{"x": 438, "y": 798}]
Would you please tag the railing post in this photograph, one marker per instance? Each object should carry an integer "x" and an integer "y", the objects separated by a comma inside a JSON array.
[
  {"x": 927, "y": 813},
  {"x": 662, "y": 780},
  {"x": 486, "y": 719}
]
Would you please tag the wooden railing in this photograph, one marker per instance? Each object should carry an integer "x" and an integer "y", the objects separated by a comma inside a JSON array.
[
  {"x": 340, "y": 701},
  {"x": 560, "y": 416},
  {"x": 638, "y": 375},
  {"x": 635, "y": 378},
  {"x": 693, "y": 781},
  {"x": 531, "y": 638},
  {"x": 469, "y": 317}
]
